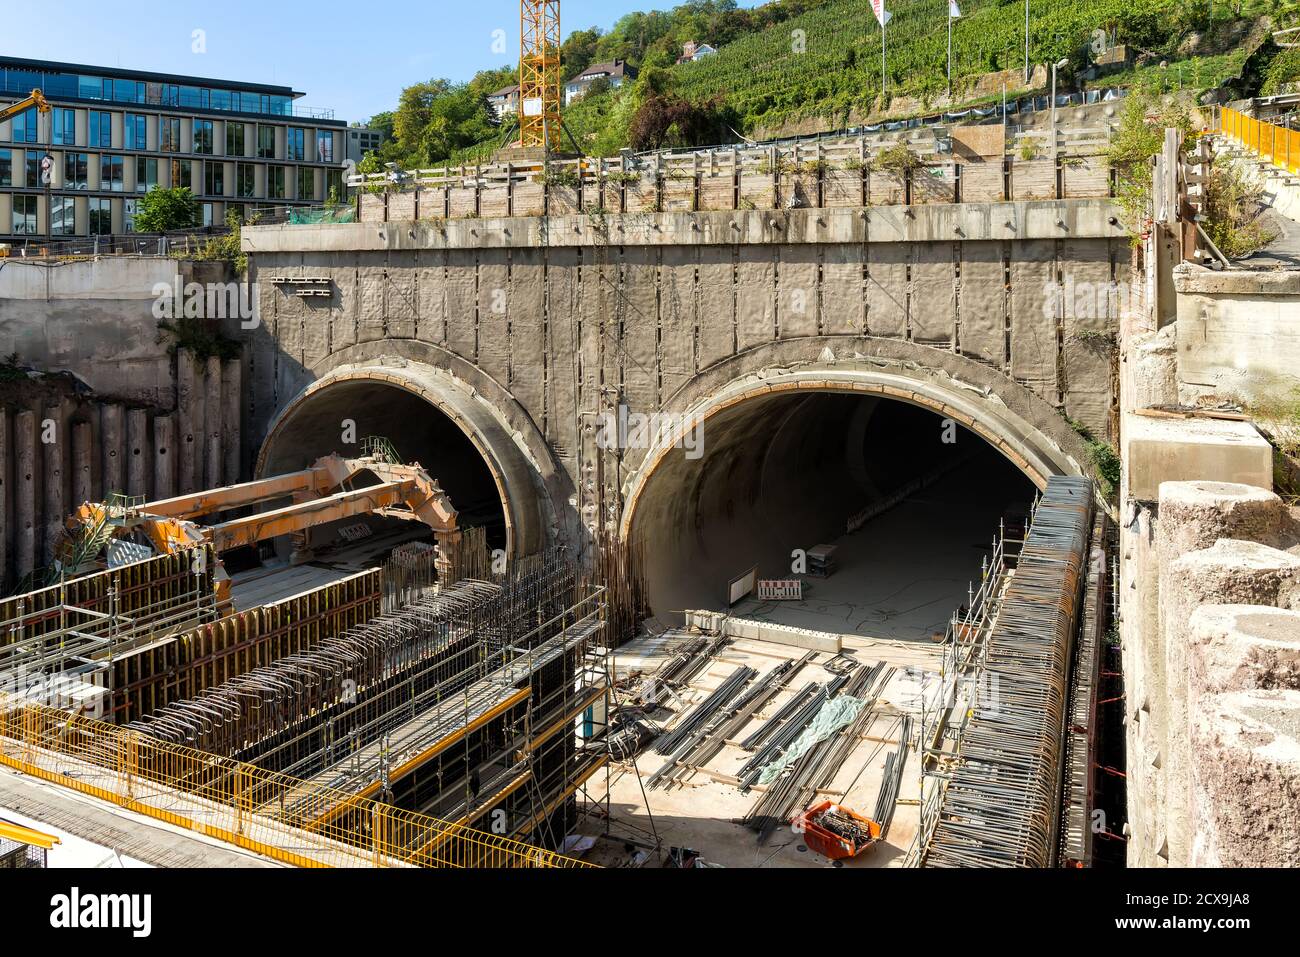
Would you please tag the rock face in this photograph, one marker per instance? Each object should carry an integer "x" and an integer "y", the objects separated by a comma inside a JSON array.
[
  {"x": 1246, "y": 769},
  {"x": 1215, "y": 760}
]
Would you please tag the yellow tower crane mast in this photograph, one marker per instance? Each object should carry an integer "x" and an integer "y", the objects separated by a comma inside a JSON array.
[{"x": 539, "y": 75}]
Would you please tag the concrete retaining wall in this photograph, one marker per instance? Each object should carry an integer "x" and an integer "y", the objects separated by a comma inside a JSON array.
[{"x": 58, "y": 450}]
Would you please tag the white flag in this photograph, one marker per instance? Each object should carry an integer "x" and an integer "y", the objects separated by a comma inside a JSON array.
[
  {"x": 954, "y": 11},
  {"x": 883, "y": 15}
]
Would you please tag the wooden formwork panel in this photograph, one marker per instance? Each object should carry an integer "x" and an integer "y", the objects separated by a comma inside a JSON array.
[
  {"x": 934, "y": 184},
  {"x": 373, "y": 207},
  {"x": 464, "y": 202},
  {"x": 679, "y": 193},
  {"x": 564, "y": 200},
  {"x": 801, "y": 188},
  {"x": 401, "y": 207},
  {"x": 642, "y": 195},
  {"x": 983, "y": 183},
  {"x": 1086, "y": 176},
  {"x": 494, "y": 202},
  {"x": 718, "y": 192},
  {"x": 842, "y": 187},
  {"x": 886, "y": 189},
  {"x": 1033, "y": 179},
  {"x": 757, "y": 190},
  {"x": 530, "y": 199}
]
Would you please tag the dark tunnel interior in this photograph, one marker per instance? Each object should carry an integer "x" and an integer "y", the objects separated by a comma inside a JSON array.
[{"x": 786, "y": 472}]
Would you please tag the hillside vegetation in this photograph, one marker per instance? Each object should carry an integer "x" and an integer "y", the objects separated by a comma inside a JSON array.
[{"x": 786, "y": 62}]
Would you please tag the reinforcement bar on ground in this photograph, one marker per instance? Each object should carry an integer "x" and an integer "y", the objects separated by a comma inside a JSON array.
[
  {"x": 239, "y": 803},
  {"x": 1001, "y": 806}
]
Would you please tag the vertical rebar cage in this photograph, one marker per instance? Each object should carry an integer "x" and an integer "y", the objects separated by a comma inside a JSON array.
[{"x": 539, "y": 74}]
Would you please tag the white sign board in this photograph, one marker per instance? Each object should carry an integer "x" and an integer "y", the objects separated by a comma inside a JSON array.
[{"x": 533, "y": 106}]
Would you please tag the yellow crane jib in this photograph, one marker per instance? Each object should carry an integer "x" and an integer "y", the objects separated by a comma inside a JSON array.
[{"x": 36, "y": 99}]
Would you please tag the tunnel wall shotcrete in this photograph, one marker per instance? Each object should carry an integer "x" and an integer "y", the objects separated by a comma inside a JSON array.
[{"x": 553, "y": 324}]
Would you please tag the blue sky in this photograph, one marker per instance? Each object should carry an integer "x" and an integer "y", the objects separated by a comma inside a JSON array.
[{"x": 352, "y": 57}]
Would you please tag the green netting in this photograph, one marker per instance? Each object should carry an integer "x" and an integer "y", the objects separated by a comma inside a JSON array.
[
  {"x": 316, "y": 217},
  {"x": 835, "y": 714}
]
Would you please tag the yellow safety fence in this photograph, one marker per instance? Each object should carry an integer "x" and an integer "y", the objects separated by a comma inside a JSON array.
[
  {"x": 242, "y": 804},
  {"x": 1274, "y": 143}
]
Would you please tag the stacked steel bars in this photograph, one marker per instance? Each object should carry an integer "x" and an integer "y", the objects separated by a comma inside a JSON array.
[{"x": 1002, "y": 802}]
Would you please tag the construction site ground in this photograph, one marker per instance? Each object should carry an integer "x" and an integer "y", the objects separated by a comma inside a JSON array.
[{"x": 704, "y": 814}]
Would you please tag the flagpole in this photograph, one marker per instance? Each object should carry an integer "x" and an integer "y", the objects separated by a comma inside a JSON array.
[
  {"x": 950, "y": 54},
  {"x": 882, "y": 61}
]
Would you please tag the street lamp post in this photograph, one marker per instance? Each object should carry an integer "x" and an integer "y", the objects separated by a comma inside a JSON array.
[{"x": 1058, "y": 65}]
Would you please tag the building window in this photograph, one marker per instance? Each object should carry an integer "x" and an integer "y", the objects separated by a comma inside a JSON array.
[
  {"x": 25, "y": 126},
  {"x": 90, "y": 88},
  {"x": 275, "y": 182},
  {"x": 136, "y": 132},
  {"x": 207, "y": 214},
  {"x": 128, "y": 216},
  {"x": 266, "y": 142},
  {"x": 101, "y": 217},
  {"x": 334, "y": 186},
  {"x": 101, "y": 129},
  {"x": 25, "y": 215},
  {"x": 234, "y": 139},
  {"x": 76, "y": 171},
  {"x": 169, "y": 135},
  {"x": 111, "y": 170},
  {"x": 6, "y": 167},
  {"x": 65, "y": 126},
  {"x": 214, "y": 179},
  {"x": 32, "y": 177},
  {"x": 306, "y": 183},
  {"x": 245, "y": 180},
  {"x": 63, "y": 216},
  {"x": 297, "y": 144},
  {"x": 182, "y": 174},
  {"x": 146, "y": 174},
  {"x": 324, "y": 147},
  {"x": 203, "y": 136}
]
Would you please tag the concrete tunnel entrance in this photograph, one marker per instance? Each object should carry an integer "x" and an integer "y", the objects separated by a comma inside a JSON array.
[
  {"x": 787, "y": 471},
  {"x": 419, "y": 431}
]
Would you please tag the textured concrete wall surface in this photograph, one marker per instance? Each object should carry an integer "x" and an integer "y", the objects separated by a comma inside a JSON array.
[
  {"x": 93, "y": 319},
  {"x": 555, "y": 322}
]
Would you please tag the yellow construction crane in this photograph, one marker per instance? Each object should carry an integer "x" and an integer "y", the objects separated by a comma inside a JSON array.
[
  {"x": 540, "y": 81},
  {"x": 36, "y": 99}
]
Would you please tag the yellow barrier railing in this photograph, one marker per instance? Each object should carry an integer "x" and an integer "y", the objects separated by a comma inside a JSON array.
[
  {"x": 242, "y": 804},
  {"x": 1276, "y": 144}
]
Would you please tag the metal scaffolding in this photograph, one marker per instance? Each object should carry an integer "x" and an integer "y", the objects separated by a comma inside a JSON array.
[{"x": 1000, "y": 806}]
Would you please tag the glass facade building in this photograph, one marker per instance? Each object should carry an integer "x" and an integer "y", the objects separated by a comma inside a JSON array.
[{"x": 115, "y": 134}]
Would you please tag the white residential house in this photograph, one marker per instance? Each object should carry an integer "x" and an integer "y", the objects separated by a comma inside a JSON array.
[
  {"x": 615, "y": 73},
  {"x": 504, "y": 101},
  {"x": 693, "y": 51}
]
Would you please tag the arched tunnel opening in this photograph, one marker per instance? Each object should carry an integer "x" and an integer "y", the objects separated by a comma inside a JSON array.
[
  {"x": 785, "y": 473},
  {"x": 357, "y": 409}
]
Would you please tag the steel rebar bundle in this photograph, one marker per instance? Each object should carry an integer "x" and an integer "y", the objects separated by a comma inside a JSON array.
[
  {"x": 816, "y": 769},
  {"x": 1001, "y": 805},
  {"x": 456, "y": 631},
  {"x": 892, "y": 783},
  {"x": 699, "y": 716},
  {"x": 708, "y": 740}
]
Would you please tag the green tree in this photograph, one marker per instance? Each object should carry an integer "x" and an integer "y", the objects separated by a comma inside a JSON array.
[{"x": 164, "y": 210}]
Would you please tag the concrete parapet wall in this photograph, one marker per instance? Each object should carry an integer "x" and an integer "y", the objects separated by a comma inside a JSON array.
[{"x": 1238, "y": 334}]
